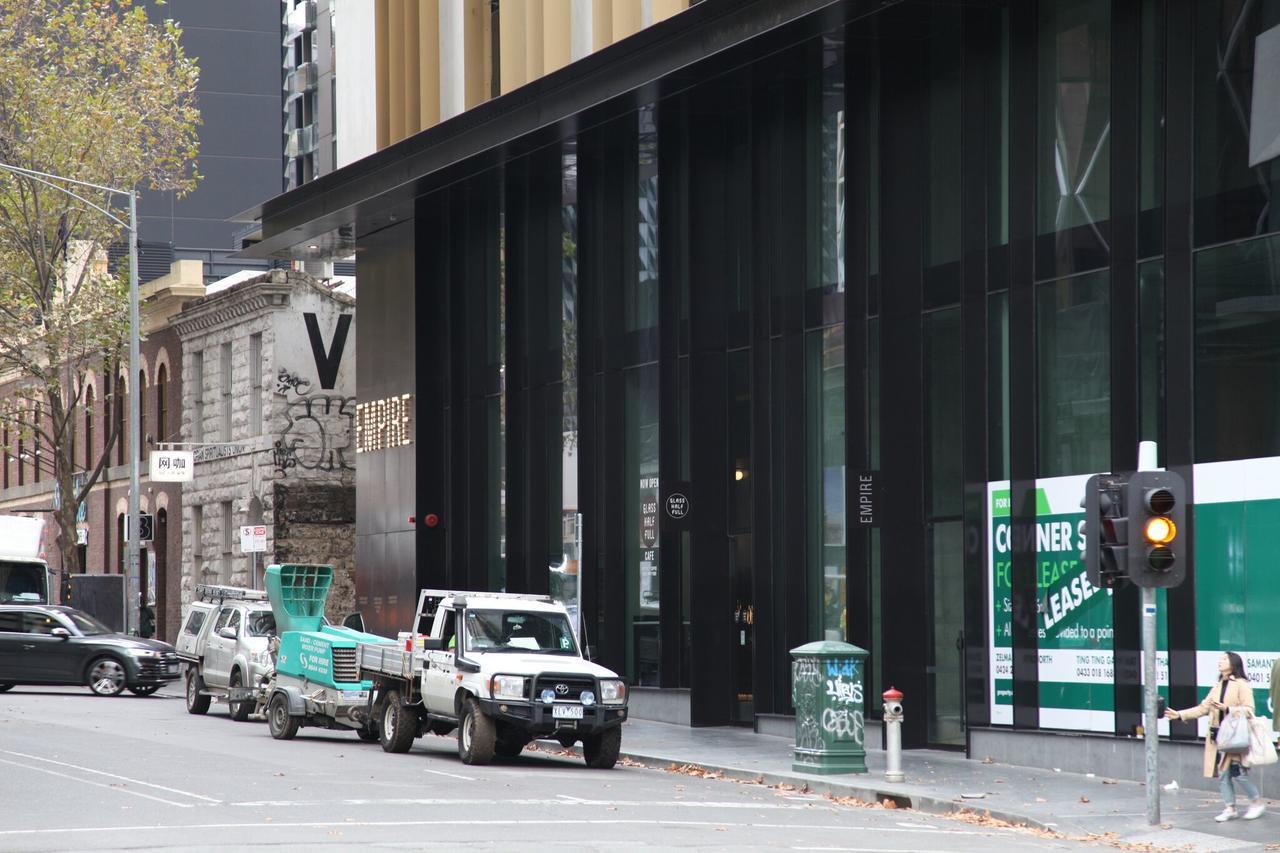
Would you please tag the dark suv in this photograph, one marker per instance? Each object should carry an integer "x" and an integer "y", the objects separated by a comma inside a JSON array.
[{"x": 48, "y": 644}]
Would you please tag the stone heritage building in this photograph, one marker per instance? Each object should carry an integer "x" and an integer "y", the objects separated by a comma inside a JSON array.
[
  {"x": 26, "y": 476},
  {"x": 268, "y": 410}
]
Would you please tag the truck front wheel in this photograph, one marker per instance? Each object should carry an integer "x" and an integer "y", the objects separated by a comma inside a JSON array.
[
  {"x": 476, "y": 734},
  {"x": 601, "y": 750},
  {"x": 398, "y": 726},
  {"x": 240, "y": 711}
]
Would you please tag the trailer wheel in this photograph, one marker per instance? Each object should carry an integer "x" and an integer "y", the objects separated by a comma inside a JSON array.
[
  {"x": 601, "y": 751},
  {"x": 282, "y": 724},
  {"x": 196, "y": 702},
  {"x": 476, "y": 734},
  {"x": 398, "y": 728}
]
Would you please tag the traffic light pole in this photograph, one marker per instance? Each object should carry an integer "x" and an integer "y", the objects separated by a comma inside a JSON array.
[{"x": 1150, "y": 723}]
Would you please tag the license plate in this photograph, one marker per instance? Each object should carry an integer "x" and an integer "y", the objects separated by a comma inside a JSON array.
[
  {"x": 566, "y": 712},
  {"x": 355, "y": 695}
]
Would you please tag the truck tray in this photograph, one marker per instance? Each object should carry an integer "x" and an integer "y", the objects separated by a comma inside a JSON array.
[{"x": 385, "y": 659}]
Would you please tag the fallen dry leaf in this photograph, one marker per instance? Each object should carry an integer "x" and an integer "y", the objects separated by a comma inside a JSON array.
[
  {"x": 1084, "y": 799},
  {"x": 1041, "y": 800},
  {"x": 987, "y": 759}
]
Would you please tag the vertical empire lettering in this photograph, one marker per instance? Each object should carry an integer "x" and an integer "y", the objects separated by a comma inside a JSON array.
[
  {"x": 327, "y": 361},
  {"x": 867, "y": 495}
]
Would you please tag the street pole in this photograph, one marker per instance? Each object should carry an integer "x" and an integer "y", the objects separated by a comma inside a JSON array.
[
  {"x": 134, "y": 582},
  {"x": 1150, "y": 722}
]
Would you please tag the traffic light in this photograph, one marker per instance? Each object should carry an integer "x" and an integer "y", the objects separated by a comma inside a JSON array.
[
  {"x": 1157, "y": 507},
  {"x": 1106, "y": 545}
]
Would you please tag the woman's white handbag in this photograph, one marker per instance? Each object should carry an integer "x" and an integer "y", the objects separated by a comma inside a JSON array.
[
  {"x": 1234, "y": 732},
  {"x": 1261, "y": 749}
]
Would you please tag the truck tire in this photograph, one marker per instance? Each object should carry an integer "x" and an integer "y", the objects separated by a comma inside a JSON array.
[
  {"x": 509, "y": 747},
  {"x": 282, "y": 724},
  {"x": 197, "y": 702},
  {"x": 476, "y": 734},
  {"x": 396, "y": 726},
  {"x": 240, "y": 711},
  {"x": 601, "y": 750}
]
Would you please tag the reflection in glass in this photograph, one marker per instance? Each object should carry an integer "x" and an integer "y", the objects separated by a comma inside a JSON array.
[
  {"x": 946, "y": 629},
  {"x": 1237, "y": 126},
  {"x": 998, "y": 385},
  {"x": 1151, "y": 344},
  {"x": 565, "y": 572},
  {"x": 643, "y": 560},
  {"x": 1237, "y": 362},
  {"x": 1073, "y": 157},
  {"x": 831, "y": 186},
  {"x": 1073, "y": 362},
  {"x": 944, "y": 403},
  {"x": 641, "y": 296},
  {"x": 824, "y": 394}
]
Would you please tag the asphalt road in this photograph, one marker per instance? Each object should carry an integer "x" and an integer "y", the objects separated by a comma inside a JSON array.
[{"x": 81, "y": 772}]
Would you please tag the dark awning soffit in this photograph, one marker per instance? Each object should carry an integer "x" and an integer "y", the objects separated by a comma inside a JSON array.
[{"x": 326, "y": 217}]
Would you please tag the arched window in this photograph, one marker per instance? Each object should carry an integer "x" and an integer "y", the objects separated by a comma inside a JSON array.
[
  {"x": 142, "y": 413},
  {"x": 120, "y": 403},
  {"x": 162, "y": 404},
  {"x": 88, "y": 428}
]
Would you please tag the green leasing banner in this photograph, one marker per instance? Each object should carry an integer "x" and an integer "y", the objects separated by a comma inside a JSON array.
[{"x": 1237, "y": 592}]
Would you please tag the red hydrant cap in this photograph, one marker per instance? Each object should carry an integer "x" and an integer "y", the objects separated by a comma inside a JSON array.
[{"x": 893, "y": 694}]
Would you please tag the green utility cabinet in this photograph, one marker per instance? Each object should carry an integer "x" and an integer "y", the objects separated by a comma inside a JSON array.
[{"x": 828, "y": 693}]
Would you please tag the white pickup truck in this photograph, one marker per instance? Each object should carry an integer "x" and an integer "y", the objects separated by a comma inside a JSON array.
[
  {"x": 501, "y": 668},
  {"x": 224, "y": 642}
]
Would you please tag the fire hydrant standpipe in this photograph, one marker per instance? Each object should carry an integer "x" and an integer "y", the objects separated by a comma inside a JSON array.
[{"x": 893, "y": 735}]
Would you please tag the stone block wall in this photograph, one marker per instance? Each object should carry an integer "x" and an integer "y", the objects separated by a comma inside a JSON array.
[{"x": 316, "y": 523}]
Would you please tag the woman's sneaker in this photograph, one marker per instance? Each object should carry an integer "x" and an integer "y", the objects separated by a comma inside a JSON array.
[
  {"x": 1254, "y": 811},
  {"x": 1229, "y": 813}
]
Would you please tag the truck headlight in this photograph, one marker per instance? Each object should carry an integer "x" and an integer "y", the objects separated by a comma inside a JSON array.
[
  {"x": 507, "y": 687},
  {"x": 613, "y": 691}
]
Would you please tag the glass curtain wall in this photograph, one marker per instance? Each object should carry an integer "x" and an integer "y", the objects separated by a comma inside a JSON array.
[
  {"x": 640, "y": 324},
  {"x": 1073, "y": 325},
  {"x": 565, "y": 579},
  {"x": 825, "y": 358}
]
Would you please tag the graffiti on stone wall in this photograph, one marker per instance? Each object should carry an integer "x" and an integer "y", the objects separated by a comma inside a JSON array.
[{"x": 319, "y": 429}]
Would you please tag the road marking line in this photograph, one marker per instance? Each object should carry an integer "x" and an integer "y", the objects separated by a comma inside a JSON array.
[
  {"x": 470, "y": 822},
  {"x": 113, "y": 776},
  {"x": 95, "y": 784},
  {"x": 451, "y": 775}
]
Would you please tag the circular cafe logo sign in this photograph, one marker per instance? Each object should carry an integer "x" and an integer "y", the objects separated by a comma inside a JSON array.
[{"x": 677, "y": 505}]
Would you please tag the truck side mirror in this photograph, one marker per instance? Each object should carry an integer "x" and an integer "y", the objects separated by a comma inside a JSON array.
[
  {"x": 433, "y": 644},
  {"x": 228, "y": 632}
]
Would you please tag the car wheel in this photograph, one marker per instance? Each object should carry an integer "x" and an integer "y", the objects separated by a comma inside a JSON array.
[
  {"x": 282, "y": 724},
  {"x": 5, "y": 688},
  {"x": 397, "y": 727},
  {"x": 106, "y": 676},
  {"x": 144, "y": 689},
  {"x": 197, "y": 702},
  {"x": 601, "y": 750},
  {"x": 476, "y": 735},
  {"x": 240, "y": 711}
]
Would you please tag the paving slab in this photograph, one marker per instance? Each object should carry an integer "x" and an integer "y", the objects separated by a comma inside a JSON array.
[{"x": 943, "y": 782}]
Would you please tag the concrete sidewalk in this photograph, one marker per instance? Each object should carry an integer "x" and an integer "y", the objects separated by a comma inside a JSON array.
[{"x": 944, "y": 782}]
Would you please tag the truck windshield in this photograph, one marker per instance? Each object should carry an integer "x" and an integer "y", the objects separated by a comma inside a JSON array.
[
  {"x": 261, "y": 624},
  {"x": 519, "y": 631},
  {"x": 22, "y": 582}
]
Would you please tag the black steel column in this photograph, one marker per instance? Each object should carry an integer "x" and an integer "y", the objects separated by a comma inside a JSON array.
[
  {"x": 431, "y": 406},
  {"x": 907, "y": 651},
  {"x": 1180, "y": 332},
  {"x": 1023, "y": 34},
  {"x": 1126, "y": 112}
]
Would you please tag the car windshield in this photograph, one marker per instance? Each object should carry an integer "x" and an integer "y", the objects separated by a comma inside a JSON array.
[
  {"x": 260, "y": 624},
  {"x": 86, "y": 624},
  {"x": 519, "y": 631}
]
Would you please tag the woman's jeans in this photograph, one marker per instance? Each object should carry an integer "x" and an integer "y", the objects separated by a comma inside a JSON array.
[{"x": 1242, "y": 779}]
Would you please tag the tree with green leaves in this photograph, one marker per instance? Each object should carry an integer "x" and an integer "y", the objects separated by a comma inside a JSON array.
[{"x": 95, "y": 91}]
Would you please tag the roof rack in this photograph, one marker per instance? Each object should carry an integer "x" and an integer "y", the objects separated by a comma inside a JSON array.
[
  {"x": 217, "y": 592},
  {"x": 522, "y": 596}
]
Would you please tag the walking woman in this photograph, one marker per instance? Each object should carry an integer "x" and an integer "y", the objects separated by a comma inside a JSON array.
[{"x": 1232, "y": 691}]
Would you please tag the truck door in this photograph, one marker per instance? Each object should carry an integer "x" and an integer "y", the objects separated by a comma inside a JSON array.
[{"x": 438, "y": 682}]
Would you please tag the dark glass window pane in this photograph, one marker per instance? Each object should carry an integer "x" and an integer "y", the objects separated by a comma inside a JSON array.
[
  {"x": 824, "y": 396},
  {"x": 641, "y": 295},
  {"x": 1073, "y": 160},
  {"x": 998, "y": 140},
  {"x": 873, "y": 392},
  {"x": 1237, "y": 363},
  {"x": 1151, "y": 343},
  {"x": 998, "y": 386},
  {"x": 944, "y": 402},
  {"x": 641, "y": 460},
  {"x": 942, "y": 215},
  {"x": 1151, "y": 156},
  {"x": 1074, "y": 381},
  {"x": 1237, "y": 138}
]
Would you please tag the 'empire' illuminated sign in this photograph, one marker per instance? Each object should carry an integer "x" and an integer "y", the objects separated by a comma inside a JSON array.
[{"x": 383, "y": 424}]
